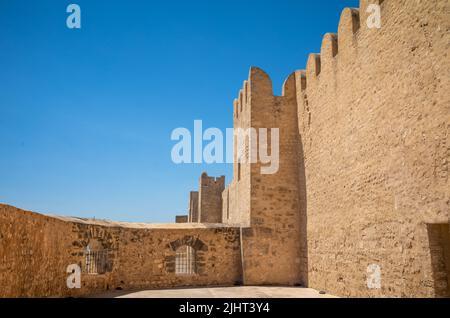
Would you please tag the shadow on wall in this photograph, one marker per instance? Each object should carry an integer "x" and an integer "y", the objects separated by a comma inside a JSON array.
[
  {"x": 303, "y": 215},
  {"x": 439, "y": 244}
]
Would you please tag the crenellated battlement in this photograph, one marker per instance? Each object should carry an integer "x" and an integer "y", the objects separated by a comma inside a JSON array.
[
  {"x": 210, "y": 198},
  {"x": 206, "y": 180},
  {"x": 257, "y": 90},
  {"x": 338, "y": 48},
  {"x": 260, "y": 84},
  {"x": 240, "y": 103}
]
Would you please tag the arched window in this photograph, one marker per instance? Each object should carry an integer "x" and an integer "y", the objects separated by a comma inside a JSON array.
[
  {"x": 185, "y": 260},
  {"x": 96, "y": 260}
]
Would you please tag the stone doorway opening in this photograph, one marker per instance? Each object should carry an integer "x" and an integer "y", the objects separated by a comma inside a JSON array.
[{"x": 439, "y": 240}]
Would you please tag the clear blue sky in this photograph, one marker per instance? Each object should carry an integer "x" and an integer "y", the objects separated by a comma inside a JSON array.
[{"x": 86, "y": 115}]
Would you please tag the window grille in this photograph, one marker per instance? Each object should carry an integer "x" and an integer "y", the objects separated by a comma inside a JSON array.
[
  {"x": 96, "y": 261},
  {"x": 185, "y": 261}
]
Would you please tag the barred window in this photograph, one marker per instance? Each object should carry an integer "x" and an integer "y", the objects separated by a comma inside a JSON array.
[
  {"x": 96, "y": 261},
  {"x": 185, "y": 261}
]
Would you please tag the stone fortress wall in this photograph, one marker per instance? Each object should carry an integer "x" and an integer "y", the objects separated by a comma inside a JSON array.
[
  {"x": 271, "y": 244},
  {"x": 363, "y": 182},
  {"x": 364, "y": 165},
  {"x": 374, "y": 127},
  {"x": 36, "y": 249}
]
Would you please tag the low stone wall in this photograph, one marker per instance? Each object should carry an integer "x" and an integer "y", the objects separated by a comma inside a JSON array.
[{"x": 36, "y": 249}]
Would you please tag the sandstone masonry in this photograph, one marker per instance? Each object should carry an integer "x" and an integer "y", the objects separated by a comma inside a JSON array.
[{"x": 363, "y": 181}]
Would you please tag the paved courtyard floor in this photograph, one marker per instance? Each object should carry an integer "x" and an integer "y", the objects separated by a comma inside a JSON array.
[{"x": 221, "y": 292}]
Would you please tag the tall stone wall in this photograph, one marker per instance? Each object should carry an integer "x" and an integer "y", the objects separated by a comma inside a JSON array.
[
  {"x": 35, "y": 251},
  {"x": 273, "y": 243},
  {"x": 374, "y": 125},
  {"x": 210, "y": 199},
  {"x": 267, "y": 205}
]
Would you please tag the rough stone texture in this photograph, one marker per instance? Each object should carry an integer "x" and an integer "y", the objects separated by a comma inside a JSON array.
[
  {"x": 210, "y": 199},
  {"x": 272, "y": 243},
  {"x": 374, "y": 119},
  {"x": 372, "y": 152},
  {"x": 35, "y": 251}
]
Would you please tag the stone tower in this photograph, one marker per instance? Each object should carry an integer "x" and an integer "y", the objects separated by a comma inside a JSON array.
[
  {"x": 267, "y": 205},
  {"x": 210, "y": 199}
]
